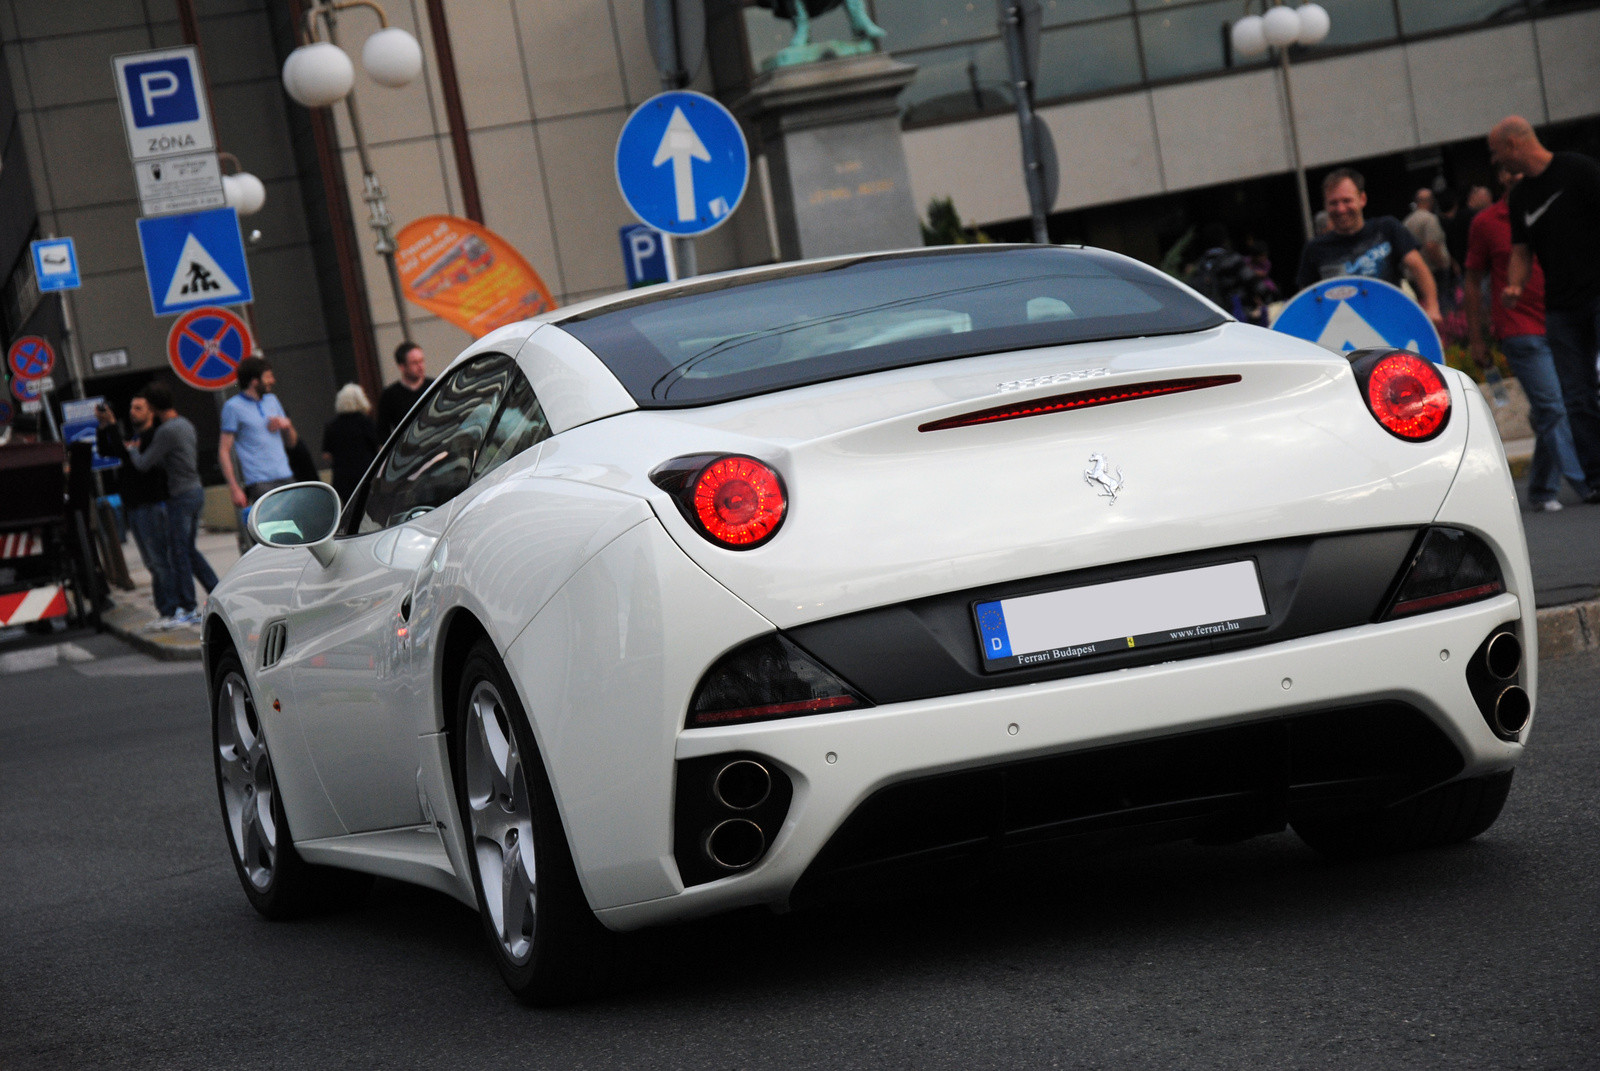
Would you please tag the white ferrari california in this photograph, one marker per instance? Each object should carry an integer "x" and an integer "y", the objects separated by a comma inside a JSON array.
[{"x": 781, "y": 585}]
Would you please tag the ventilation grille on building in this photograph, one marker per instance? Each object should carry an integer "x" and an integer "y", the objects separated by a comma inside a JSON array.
[{"x": 273, "y": 643}]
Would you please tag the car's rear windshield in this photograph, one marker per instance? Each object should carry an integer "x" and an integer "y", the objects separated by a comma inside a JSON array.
[{"x": 742, "y": 336}]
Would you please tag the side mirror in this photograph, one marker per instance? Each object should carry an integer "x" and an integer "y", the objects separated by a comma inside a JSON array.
[{"x": 298, "y": 515}]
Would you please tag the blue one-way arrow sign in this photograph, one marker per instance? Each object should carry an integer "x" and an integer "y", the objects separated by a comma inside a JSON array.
[
  {"x": 682, "y": 163},
  {"x": 1352, "y": 312}
]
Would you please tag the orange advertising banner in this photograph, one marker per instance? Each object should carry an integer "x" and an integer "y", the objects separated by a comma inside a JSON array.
[{"x": 465, "y": 273}]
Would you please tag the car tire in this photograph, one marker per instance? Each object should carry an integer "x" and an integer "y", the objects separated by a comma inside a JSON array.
[
  {"x": 1449, "y": 814},
  {"x": 279, "y": 883},
  {"x": 546, "y": 942}
]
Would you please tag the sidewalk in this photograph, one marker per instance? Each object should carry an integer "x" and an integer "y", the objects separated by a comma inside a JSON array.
[{"x": 135, "y": 609}]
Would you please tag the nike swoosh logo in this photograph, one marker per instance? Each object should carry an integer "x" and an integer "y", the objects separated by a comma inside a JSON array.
[{"x": 1533, "y": 217}]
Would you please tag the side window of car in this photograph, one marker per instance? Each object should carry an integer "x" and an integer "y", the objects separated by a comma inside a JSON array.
[
  {"x": 521, "y": 424},
  {"x": 431, "y": 460}
]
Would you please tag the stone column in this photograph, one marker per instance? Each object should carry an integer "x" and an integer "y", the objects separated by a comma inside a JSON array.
[{"x": 831, "y": 134}]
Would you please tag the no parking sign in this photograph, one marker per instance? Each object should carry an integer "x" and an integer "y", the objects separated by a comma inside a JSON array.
[
  {"x": 31, "y": 357},
  {"x": 206, "y": 345}
]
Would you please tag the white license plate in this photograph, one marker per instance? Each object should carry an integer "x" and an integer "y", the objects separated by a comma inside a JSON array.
[{"x": 1145, "y": 611}]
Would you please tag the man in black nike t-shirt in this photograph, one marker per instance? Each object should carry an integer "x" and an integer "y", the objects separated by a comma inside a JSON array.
[{"x": 1555, "y": 216}]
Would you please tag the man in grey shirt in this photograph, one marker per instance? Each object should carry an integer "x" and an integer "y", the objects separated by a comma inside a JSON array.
[{"x": 173, "y": 448}]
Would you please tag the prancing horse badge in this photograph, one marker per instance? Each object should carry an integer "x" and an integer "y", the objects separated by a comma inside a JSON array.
[{"x": 1098, "y": 475}]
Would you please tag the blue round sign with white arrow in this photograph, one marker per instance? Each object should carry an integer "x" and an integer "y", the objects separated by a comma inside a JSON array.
[
  {"x": 682, "y": 163},
  {"x": 1353, "y": 312}
]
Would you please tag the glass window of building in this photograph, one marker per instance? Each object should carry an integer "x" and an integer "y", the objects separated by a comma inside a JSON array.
[
  {"x": 1184, "y": 39},
  {"x": 920, "y": 23},
  {"x": 1362, "y": 22},
  {"x": 1420, "y": 16},
  {"x": 952, "y": 82},
  {"x": 1087, "y": 58},
  {"x": 1061, "y": 12}
]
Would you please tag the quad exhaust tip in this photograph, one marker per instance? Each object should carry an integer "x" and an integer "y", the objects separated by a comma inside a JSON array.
[
  {"x": 734, "y": 844},
  {"x": 742, "y": 785},
  {"x": 1511, "y": 711},
  {"x": 1503, "y": 656}
]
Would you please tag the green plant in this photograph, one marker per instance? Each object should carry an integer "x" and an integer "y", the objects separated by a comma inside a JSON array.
[{"x": 944, "y": 225}]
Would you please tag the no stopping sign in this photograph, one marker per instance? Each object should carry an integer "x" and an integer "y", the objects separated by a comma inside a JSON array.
[{"x": 206, "y": 345}]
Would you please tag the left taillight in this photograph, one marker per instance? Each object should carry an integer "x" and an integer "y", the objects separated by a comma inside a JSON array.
[
  {"x": 765, "y": 679},
  {"x": 733, "y": 500},
  {"x": 1404, "y": 392},
  {"x": 1449, "y": 568}
]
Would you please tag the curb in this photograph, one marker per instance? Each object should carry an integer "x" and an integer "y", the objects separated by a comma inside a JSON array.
[
  {"x": 1565, "y": 630},
  {"x": 165, "y": 652}
]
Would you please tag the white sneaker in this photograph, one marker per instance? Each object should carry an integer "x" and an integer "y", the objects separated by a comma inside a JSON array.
[
  {"x": 188, "y": 617},
  {"x": 1549, "y": 505},
  {"x": 163, "y": 624}
]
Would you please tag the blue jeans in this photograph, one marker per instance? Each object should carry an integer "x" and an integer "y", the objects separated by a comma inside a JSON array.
[
  {"x": 188, "y": 564},
  {"x": 149, "y": 524},
  {"x": 1574, "y": 344},
  {"x": 1554, "y": 456}
]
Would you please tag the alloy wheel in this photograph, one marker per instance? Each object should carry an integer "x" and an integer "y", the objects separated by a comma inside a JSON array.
[
  {"x": 501, "y": 813},
  {"x": 248, "y": 789}
]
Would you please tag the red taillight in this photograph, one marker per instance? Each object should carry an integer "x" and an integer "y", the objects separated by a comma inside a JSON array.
[
  {"x": 1407, "y": 395},
  {"x": 738, "y": 501}
]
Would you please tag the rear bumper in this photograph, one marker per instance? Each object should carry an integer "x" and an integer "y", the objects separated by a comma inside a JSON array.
[{"x": 836, "y": 762}]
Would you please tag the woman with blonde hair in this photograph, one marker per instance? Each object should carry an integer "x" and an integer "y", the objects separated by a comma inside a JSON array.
[{"x": 350, "y": 441}]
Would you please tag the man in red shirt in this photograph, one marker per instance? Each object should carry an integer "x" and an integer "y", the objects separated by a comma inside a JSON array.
[{"x": 1520, "y": 332}]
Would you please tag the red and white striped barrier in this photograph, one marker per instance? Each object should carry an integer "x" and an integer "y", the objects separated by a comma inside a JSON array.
[
  {"x": 22, "y": 607},
  {"x": 29, "y": 544}
]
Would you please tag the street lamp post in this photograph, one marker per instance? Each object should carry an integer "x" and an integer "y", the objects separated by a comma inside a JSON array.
[
  {"x": 1279, "y": 27},
  {"x": 319, "y": 74}
]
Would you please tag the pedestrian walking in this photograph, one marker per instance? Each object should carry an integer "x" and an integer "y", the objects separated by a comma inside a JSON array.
[
  {"x": 398, "y": 397},
  {"x": 256, "y": 429},
  {"x": 350, "y": 441},
  {"x": 1520, "y": 330},
  {"x": 144, "y": 501},
  {"x": 1555, "y": 217},
  {"x": 173, "y": 450},
  {"x": 1380, "y": 248}
]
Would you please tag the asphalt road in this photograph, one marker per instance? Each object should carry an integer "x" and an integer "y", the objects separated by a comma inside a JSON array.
[
  {"x": 1561, "y": 549},
  {"x": 125, "y": 941}
]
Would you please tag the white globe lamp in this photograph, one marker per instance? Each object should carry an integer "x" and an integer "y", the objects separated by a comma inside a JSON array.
[
  {"x": 1281, "y": 25},
  {"x": 1249, "y": 38},
  {"x": 1314, "y": 23},
  {"x": 244, "y": 192},
  {"x": 318, "y": 74},
  {"x": 392, "y": 57}
]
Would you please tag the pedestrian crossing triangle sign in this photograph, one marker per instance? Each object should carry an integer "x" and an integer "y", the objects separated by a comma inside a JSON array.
[{"x": 193, "y": 260}]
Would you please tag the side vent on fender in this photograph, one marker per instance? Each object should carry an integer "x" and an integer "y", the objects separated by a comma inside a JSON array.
[{"x": 273, "y": 642}]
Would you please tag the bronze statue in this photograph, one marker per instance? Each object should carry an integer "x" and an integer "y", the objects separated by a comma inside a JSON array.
[{"x": 799, "y": 12}]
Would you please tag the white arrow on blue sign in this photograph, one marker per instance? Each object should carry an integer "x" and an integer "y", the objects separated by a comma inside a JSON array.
[
  {"x": 682, "y": 163},
  {"x": 55, "y": 264},
  {"x": 1354, "y": 312},
  {"x": 194, "y": 259}
]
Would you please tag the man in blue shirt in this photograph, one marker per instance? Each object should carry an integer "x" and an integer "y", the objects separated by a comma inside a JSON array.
[{"x": 255, "y": 428}]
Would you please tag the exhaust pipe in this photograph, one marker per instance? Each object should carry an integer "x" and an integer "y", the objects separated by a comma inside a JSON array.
[
  {"x": 733, "y": 844},
  {"x": 742, "y": 785},
  {"x": 1503, "y": 656},
  {"x": 1511, "y": 711}
]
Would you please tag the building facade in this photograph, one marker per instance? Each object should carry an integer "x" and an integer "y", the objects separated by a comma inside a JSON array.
[{"x": 517, "y": 113}]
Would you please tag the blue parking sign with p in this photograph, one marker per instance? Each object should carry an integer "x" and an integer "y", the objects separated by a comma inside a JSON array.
[
  {"x": 163, "y": 103},
  {"x": 644, "y": 255},
  {"x": 162, "y": 92}
]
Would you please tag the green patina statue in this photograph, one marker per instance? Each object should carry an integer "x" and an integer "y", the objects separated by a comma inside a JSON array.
[{"x": 863, "y": 30}]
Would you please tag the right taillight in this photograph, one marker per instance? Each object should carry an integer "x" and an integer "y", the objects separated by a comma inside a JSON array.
[
  {"x": 1450, "y": 567},
  {"x": 765, "y": 679},
  {"x": 1405, "y": 393}
]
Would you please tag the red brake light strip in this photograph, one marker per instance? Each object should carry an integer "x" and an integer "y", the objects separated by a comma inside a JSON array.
[
  {"x": 772, "y": 710},
  {"x": 1082, "y": 399},
  {"x": 1449, "y": 598}
]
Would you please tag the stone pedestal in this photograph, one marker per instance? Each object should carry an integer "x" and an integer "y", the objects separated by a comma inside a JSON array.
[{"x": 831, "y": 135}]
